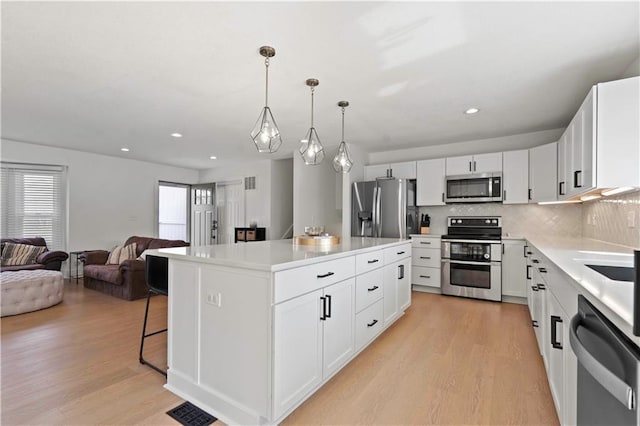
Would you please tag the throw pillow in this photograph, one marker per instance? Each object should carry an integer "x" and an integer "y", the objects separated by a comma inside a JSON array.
[
  {"x": 20, "y": 254},
  {"x": 121, "y": 253}
]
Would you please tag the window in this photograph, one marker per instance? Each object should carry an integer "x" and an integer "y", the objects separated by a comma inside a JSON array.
[
  {"x": 173, "y": 211},
  {"x": 34, "y": 203}
]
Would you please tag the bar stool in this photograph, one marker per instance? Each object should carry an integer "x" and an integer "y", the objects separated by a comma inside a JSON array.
[{"x": 157, "y": 278}]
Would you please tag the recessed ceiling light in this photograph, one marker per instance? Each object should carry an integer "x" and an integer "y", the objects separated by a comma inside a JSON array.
[
  {"x": 471, "y": 111},
  {"x": 213, "y": 157},
  {"x": 124, "y": 149},
  {"x": 176, "y": 135}
]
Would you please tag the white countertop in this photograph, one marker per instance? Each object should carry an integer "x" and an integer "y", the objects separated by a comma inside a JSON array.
[
  {"x": 571, "y": 254},
  {"x": 274, "y": 255},
  {"x": 426, "y": 235}
]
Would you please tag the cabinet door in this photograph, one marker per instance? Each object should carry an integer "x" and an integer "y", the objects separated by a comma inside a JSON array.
[
  {"x": 339, "y": 337},
  {"x": 556, "y": 322},
  {"x": 543, "y": 171},
  {"x": 563, "y": 164},
  {"x": 515, "y": 177},
  {"x": 484, "y": 163},
  {"x": 586, "y": 172},
  {"x": 297, "y": 350},
  {"x": 403, "y": 170},
  {"x": 373, "y": 172},
  {"x": 514, "y": 268},
  {"x": 404, "y": 284},
  {"x": 459, "y": 165},
  {"x": 430, "y": 182},
  {"x": 575, "y": 184},
  {"x": 390, "y": 294}
]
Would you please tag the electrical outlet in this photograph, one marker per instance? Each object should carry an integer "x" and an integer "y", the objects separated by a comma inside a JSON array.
[
  {"x": 593, "y": 220},
  {"x": 631, "y": 219},
  {"x": 214, "y": 299}
]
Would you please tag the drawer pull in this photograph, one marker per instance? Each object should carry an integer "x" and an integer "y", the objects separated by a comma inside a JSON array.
[
  {"x": 425, "y": 242},
  {"x": 399, "y": 253},
  {"x": 372, "y": 261},
  {"x": 534, "y": 288},
  {"x": 328, "y": 274},
  {"x": 425, "y": 276},
  {"x": 541, "y": 287},
  {"x": 425, "y": 257},
  {"x": 542, "y": 270},
  {"x": 374, "y": 322},
  {"x": 374, "y": 288}
]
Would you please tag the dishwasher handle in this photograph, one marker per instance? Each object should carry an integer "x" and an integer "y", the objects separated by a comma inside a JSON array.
[{"x": 612, "y": 383}]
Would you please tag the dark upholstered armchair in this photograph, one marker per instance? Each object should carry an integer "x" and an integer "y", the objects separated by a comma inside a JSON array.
[
  {"x": 51, "y": 260},
  {"x": 125, "y": 280}
]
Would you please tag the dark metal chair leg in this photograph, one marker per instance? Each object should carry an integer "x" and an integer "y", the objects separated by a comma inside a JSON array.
[{"x": 144, "y": 336}]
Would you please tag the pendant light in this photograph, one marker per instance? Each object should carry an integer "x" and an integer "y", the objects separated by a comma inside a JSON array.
[
  {"x": 311, "y": 149},
  {"x": 266, "y": 134},
  {"x": 342, "y": 162}
]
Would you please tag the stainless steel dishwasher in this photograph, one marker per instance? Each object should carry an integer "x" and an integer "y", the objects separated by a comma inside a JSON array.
[{"x": 608, "y": 369}]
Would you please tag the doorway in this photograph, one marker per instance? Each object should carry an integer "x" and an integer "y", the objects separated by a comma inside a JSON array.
[
  {"x": 229, "y": 209},
  {"x": 173, "y": 211},
  {"x": 204, "y": 225}
]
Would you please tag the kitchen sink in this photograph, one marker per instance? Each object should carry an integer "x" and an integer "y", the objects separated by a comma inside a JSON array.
[{"x": 616, "y": 273}]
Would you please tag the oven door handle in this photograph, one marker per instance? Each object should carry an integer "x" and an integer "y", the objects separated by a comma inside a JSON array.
[
  {"x": 612, "y": 383},
  {"x": 488, "y": 242},
  {"x": 469, "y": 262}
]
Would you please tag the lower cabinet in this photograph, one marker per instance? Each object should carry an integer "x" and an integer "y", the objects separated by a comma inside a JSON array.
[
  {"x": 397, "y": 289},
  {"x": 314, "y": 337},
  {"x": 555, "y": 343},
  {"x": 514, "y": 264},
  {"x": 425, "y": 261}
]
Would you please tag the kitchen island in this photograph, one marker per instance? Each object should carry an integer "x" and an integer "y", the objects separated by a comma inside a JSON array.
[{"x": 255, "y": 329}]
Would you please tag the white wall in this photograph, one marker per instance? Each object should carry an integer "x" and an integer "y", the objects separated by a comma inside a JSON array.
[
  {"x": 633, "y": 69},
  {"x": 281, "y": 197},
  {"x": 480, "y": 146},
  {"x": 109, "y": 198},
  {"x": 317, "y": 195}
]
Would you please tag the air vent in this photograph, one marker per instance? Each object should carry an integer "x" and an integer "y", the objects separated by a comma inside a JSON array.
[{"x": 250, "y": 183}]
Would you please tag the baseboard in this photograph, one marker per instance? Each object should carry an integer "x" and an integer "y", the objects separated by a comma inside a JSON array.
[
  {"x": 514, "y": 299},
  {"x": 425, "y": 289}
]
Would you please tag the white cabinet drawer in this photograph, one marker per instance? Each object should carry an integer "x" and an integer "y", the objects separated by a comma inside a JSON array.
[
  {"x": 425, "y": 276},
  {"x": 369, "y": 324},
  {"x": 426, "y": 257},
  {"x": 294, "y": 282},
  {"x": 425, "y": 242},
  {"x": 368, "y": 288},
  {"x": 369, "y": 261},
  {"x": 393, "y": 254}
]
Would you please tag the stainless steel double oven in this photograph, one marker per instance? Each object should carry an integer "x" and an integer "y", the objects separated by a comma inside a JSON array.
[{"x": 472, "y": 258}]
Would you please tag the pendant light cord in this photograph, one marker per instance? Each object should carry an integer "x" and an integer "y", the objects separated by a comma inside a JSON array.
[
  {"x": 312, "y": 90},
  {"x": 342, "y": 123},
  {"x": 266, "y": 88}
]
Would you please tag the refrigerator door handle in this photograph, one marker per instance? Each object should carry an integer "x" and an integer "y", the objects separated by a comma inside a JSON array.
[
  {"x": 378, "y": 215},
  {"x": 374, "y": 212}
]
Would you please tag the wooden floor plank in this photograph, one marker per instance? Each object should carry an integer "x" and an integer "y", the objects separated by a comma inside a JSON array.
[{"x": 447, "y": 361}]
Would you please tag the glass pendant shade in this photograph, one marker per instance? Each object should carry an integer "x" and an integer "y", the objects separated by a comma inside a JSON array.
[
  {"x": 341, "y": 162},
  {"x": 265, "y": 133},
  {"x": 311, "y": 149}
]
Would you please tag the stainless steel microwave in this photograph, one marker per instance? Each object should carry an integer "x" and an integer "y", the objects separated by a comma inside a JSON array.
[{"x": 474, "y": 188}]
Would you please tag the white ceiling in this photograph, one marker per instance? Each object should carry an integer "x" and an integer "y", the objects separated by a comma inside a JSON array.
[{"x": 98, "y": 76}]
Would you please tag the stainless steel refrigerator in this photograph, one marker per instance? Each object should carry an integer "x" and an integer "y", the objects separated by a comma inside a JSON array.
[{"x": 384, "y": 208}]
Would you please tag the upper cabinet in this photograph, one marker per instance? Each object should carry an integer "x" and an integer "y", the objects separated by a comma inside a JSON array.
[
  {"x": 515, "y": 177},
  {"x": 406, "y": 170},
  {"x": 430, "y": 182},
  {"x": 599, "y": 148},
  {"x": 543, "y": 173},
  {"x": 469, "y": 164}
]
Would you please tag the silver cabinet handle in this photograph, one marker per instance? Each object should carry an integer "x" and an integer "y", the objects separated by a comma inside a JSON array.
[
  {"x": 425, "y": 242},
  {"x": 425, "y": 257},
  {"x": 612, "y": 383},
  {"x": 425, "y": 276}
]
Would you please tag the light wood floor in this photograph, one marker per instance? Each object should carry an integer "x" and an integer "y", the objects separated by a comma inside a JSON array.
[{"x": 447, "y": 361}]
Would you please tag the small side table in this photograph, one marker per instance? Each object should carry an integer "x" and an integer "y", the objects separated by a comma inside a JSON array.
[{"x": 75, "y": 255}]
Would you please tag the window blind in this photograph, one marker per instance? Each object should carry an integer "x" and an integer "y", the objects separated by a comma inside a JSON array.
[{"x": 34, "y": 201}]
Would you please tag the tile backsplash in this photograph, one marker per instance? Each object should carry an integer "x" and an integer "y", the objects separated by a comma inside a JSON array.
[
  {"x": 517, "y": 219},
  {"x": 608, "y": 219}
]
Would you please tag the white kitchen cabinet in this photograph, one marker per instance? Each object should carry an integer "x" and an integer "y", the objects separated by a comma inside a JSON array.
[
  {"x": 430, "y": 175},
  {"x": 514, "y": 269},
  {"x": 314, "y": 337},
  {"x": 404, "y": 170},
  {"x": 469, "y": 164},
  {"x": 397, "y": 287},
  {"x": 543, "y": 171},
  {"x": 390, "y": 293},
  {"x": 404, "y": 284},
  {"x": 557, "y": 321},
  {"x": 515, "y": 177},
  {"x": 564, "y": 163},
  {"x": 425, "y": 261}
]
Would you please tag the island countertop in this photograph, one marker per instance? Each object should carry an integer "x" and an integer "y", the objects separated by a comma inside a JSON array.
[{"x": 275, "y": 255}]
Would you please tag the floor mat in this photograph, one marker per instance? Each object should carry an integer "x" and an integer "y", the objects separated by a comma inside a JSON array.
[{"x": 190, "y": 415}]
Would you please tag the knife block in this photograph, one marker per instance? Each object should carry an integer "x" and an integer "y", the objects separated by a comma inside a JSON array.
[{"x": 424, "y": 230}]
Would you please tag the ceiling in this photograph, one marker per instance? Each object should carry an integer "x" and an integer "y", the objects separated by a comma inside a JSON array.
[{"x": 99, "y": 76}]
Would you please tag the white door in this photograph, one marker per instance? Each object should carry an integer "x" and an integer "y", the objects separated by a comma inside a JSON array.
[
  {"x": 229, "y": 209},
  {"x": 339, "y": 332},
  {"x": 390, "y": 292},
  {"x": 203, "y": 210},
  {"x": 430, "y": 182},
  {"x": 404, "y": 284},
  {"x": 297, "y": 350},
  {"x": 515, "y": 177},
  {"x": 459, "y": 165},
  {"x": 487, "y": 163}
]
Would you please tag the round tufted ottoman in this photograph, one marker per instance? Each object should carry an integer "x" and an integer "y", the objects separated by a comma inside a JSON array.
[{"x": 26, "y": 291}]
